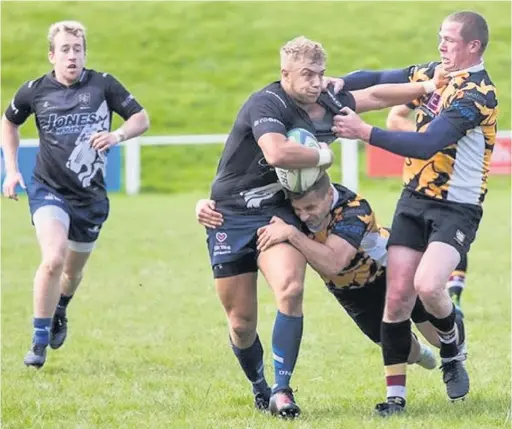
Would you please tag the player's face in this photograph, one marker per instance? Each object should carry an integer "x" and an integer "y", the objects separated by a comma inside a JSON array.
[
  {"x": 68, "y": 57},
  {"x": 304, "y": 81},
  {"x": 313, "y": 209},
  {"x": 456, "y": 54}
]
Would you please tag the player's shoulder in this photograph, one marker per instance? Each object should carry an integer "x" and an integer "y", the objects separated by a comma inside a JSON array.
[
  {"x": 272, "y": 94},
  {"x": 422, "y": 72},
  {"x": 98, "y": 77},
  {"x": 479, "y": 87},
  {"x": 34, "y": 85},
  {"x": 350, "y": 203}
]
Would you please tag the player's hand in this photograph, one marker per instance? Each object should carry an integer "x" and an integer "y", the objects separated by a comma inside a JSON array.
[
  {"x": 102, "y": 141},
  {"x": 441, "y": 77},
  {"x": 9, "y": 185},
  {"x": 337, "y": 82},
  {"x": 277, "y": 231},
  {"x": 350, "y": 126},
  {"x": 206, "y": 214}
]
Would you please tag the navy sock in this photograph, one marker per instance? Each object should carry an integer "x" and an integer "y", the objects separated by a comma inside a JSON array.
[
  {"x": 286, "y": 340},
  {"x": 41, "y": 331},
  {"x": 251, "y": 361},
  {"x": 62, "y": 305}
]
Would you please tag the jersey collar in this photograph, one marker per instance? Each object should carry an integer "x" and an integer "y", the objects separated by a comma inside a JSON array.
[
  {"x": 473, "y": 69},
  {"x": 82, "y": 77}
]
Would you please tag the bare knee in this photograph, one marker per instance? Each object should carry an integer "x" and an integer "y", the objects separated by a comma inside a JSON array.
[
  {"x": 53, "y": 265},
  {"x": 397, "y": 307},
  {"x": 243, "y": 327},
  {"x": 72, "y": 277},
  {"x": 289, "y": 296},
  {"x": 427, "y": 289}
]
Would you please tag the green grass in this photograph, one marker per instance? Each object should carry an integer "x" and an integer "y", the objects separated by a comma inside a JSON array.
[
  {"x": 192, "y": 64},
  {"x": 148, "y": 344}
]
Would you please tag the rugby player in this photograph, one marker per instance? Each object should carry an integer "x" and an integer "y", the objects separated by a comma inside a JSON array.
[
  {"x": 437, "y": 217},
  {"x": 399, "y": 120},
  {"x": 68, "y": 202},
  {"x": 342, "y": 241},
  {"x": 248, "y": 195}
]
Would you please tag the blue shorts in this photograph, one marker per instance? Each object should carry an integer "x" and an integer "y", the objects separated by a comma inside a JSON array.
[
  {"x": 85, "y": 222},
  {"x": 232, "y": 246}
]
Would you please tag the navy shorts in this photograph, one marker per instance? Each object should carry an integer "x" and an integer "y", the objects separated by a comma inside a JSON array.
[
  {"x": 85, "y": 221},
  {"x": 232, "y": 246}
]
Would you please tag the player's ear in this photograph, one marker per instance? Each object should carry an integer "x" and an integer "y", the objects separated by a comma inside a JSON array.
[
  {"x": 51, "y": 57},
  {"x": 284, "y": 74}
]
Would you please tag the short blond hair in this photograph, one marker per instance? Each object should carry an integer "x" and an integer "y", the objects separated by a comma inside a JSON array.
[
  {"x": 72, "y": 27},
  {"x": 302, "y": 49}
]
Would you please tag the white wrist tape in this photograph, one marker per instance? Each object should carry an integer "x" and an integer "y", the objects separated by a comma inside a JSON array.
[
  {"x": 120, "y": 135},
  {"x": 324, "y": 157},
  {"x": 429, "y": 86}
]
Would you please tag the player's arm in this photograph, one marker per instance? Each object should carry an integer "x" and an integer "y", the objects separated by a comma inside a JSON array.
[
  {"x": 399, "y": 118},
  {"x": 328, "y": 259},
  {"x": 16, "y": 114},
  {"x": 266, "y": 121},
  {"x": 466, "y": 112},
  {"x": 387, "y": 95},
  {"x": 125, "y": 105}
]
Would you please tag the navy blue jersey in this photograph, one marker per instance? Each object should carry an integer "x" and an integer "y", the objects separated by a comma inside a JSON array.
[
  {"x": 244, "y": 180},
  {"x": 66, "y": 118}
]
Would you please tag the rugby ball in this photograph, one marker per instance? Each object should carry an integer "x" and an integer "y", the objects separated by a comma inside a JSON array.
[{"x": 299, "y": 180}]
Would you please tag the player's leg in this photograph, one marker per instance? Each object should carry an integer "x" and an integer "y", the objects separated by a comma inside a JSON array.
[
  {"x": 284, "y": 268},
  {"x": 77, "y": 256},
  {"x": 405, "y": 246},
  {"x": 454, "y": 229},
  {"x": 396, "y": 325},
  {"x": 238, "y": 295},
  {"x": 365, "y": 306},
  {"x": 51, "y": 223},
  {"x": 421, "y": 319},
  {"x": 439, "y": 261},
  {"x": 234, "y": 267},
  {"x": 457, "y": 282},
  {"x": 85, "y": 227}
]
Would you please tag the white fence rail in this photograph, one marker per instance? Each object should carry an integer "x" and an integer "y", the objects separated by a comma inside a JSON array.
[{"x": 133, "y": 167}]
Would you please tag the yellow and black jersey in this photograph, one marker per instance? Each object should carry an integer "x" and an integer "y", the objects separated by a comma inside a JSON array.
[
  {"x": 459, "y": 172},
  {"x": 353, "y": 219}
]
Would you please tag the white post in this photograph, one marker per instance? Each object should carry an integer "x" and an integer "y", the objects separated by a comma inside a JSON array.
[
  {"x": 349, "y": 164},
  {"x": 132, "y": 166}
]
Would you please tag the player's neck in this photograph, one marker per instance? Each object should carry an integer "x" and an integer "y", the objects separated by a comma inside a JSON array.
[
  {"x": 468, "y": 66},
  {"x": 64, "y": 81}
]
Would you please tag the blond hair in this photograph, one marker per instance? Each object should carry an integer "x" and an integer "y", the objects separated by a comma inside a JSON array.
[
  {"x": 72, "y": 27},
  {"x": 302, "y": 49}
]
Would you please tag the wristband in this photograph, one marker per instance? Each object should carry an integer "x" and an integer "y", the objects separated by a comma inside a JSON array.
[
  {"x": 120, "y": 135},
  {"x": 324, "y": 157},
  {"x": 429, "y": 86}
]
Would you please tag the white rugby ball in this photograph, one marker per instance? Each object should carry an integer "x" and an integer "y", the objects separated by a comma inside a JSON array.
[{"x": 300, "y": 180}]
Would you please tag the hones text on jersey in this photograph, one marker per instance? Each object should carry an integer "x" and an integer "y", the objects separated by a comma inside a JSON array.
[{"x": 75, "y": 123}]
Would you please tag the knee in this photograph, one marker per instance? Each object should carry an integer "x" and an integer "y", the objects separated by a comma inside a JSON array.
[
  {"x": 242, "y": 326},
  {"x": 397, "y": 306},
  {"x": 72, "y": 277},
  {"x": 291, "y": 292},
  {"x": 53, "y": 265},
  {"x": 426, "y": 288}
]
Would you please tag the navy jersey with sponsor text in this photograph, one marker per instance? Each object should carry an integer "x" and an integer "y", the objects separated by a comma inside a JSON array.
[
  {"x": 66, "y": 118},
  {"x": 244, "y": 180}
]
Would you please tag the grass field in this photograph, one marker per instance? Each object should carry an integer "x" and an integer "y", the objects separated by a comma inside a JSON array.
[
  {"x": 148, "y": 344},
  {"x": 192, "y": 64}
]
